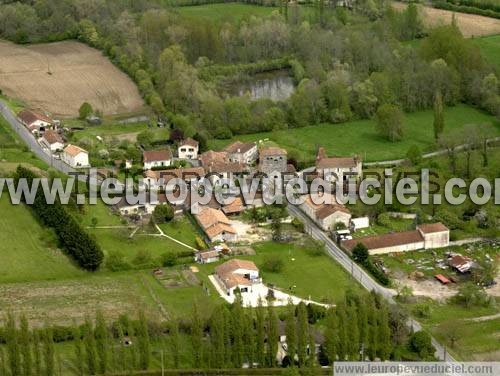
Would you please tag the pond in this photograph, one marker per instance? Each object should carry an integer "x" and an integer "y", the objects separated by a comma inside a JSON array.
[{"x": 275, "y": 85}]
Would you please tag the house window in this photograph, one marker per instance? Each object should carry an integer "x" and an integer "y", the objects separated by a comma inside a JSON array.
[
  {"x": 183, "y": 150},
  {"x": 244, "y": 289}
]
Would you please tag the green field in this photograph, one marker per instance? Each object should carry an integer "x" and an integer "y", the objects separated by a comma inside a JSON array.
[
  {"x": 360, "y": 136},
  {"x": 303, "y": 275},
  {"x": 490, "y": 48},
  {"x": 28, "y": 251},
  {"x": 232, "y": 12}
]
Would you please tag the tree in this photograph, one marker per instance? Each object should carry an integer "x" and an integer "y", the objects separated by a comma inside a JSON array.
[
  {"x": 78, "y": 351},
  {"x": 237, "y": 322},
  {"x": 360, "y": 253},
  {"x": 90, "y": 348},
  {"x": 196, "y": 336},
  {"x": 143, "y": 343},
  {"x": 102, "y": 343},
  {"x": 353, "y": 332},
  {"x": 48, "y": 352},
  {"x": 331, "y": 335},
  {"x": 145, "y": 138},
  {"x": 414, "y": 155},
  {"x": 163, "y": 213},
  {"x": 174, "y": 342},
  {"x": 384, "y": 334},
  {"x": 260, "y": 335},
  {"x": 25, "y": 347},
  {"x": 390, "y": 122},
  {"x": 438, "y": 115},
  {"x": 421, "y": 343},
  {"x": 272, "y": 336},
  {"x": 291, "y": 332},
  {"x": 12, "y": 344},
  {"x": 85, "y": 111}
]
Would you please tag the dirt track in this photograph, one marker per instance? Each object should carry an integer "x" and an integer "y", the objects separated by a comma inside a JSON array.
[
  {"x": 59, "y": 77},
  {"x": 470, "y": 24}
]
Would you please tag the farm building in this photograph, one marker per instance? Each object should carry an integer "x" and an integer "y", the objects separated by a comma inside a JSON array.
[
  {"x": 75, "y": 156},
  {"x": 238, "y": 274},
  {"x": 188, "y": 149},
  {"x": 242, "y": 152},
  {"x": 216, "y": 225},
  {"x": 207, "y": 257},
  {"x": 427, "y": 236},
  {"x": 326, "y": 215},
  {"x": 52, "y": 140},
  {"x": 35, "y": 121},
  {"x": 157, "y": 158}
]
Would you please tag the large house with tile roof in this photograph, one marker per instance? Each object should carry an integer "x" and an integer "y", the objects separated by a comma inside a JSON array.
[
  {"x": 237, "y": 274},
  {"x": 157, "y": 158},
  {"x": 75, "y": 156},
  {"x": 337, "y": 168},
  {"x": 426, "y": 236},
  {"x": 188, "y": 149},
  {"x": 242, "y": 152},
  {"x": 216, "y": 225},
  {"x": 327, "y": 214}
]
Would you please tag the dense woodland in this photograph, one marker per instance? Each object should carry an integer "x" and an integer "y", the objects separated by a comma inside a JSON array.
[
  {"x": 347, "y": 64},
  {"x": 360, "y": 327}
]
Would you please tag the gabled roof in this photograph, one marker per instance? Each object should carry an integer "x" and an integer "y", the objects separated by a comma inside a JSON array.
[
  {"x": 240, "y": 147},
  {"x": 189, "y": 142},
  {"x": 157, "y": 155},
  {"x": 234, "y": 264},
  {"x": 29, "y": 117},
  {"x": 52, "y": 137},
  {"x": 209, "y": 157},
  {"x": 225, "y": 167},
  {"x": 385, "y": 240},
  {"x": 323, "y": 211},
  {"x": 185, "y": 174},
  {"x": 209, "y": 217},
  {"x": 74, "y": 150},
  {"x": 271, "y": 151},
  {"x": 430, "y": 228},
  {"x": 325, "y": 162},
  {"x": 236, "y": 206}
]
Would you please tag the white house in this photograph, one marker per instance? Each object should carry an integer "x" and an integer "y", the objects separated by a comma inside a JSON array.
[
  {"x": 75, "y": 156},
  {"x": 242, "y": 152},
  {"x": 238, "y": 274},
  {"x": 157, "y": 158},
  {"x": 188, "y": 149},
  {"x": 328, "y": 214},
  {"x": 35, "y": 121},
  {"x": 52, "y": 140}
]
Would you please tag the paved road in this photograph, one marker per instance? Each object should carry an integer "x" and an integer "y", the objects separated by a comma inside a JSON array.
[
  {"x": 32, "y": 143},
  {"x": 357, "y": 272}
]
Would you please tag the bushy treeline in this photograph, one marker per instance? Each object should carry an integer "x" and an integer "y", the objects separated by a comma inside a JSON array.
[
  {"x": 347, "y": 64},
  {"x": 480, "y": 7},
  {"x": 362, "y": 326},
  {"x": 72, "y": 237}
]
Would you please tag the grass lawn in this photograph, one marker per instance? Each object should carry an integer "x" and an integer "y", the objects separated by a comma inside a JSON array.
[
  {"x": 397, "y": 225},
  {"x": 232, "y": 12},
  {"x": 360, "y": 136},
  {"x": 309, "y": 276},
  {"x": 181, "y": 229},
  {"x": 27, "y": 250},
  {"x": 490, "y": 48},
  {"x": 476, "y": 340}
]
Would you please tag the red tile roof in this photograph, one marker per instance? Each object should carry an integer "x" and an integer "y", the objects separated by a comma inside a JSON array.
[
  {"x": 157, "y": 155},
  {"x": 189, "y": 142},
  {"x": 385, "y": 240},
  {"x": 271, "y": 150},
  {"x": 52, "y": 137},
  {"x": 74, "y": 150},
  {"x": 28, "y": 117},
  {"x": 239, "y": 147},
  {"x": 429, "y": 228}
]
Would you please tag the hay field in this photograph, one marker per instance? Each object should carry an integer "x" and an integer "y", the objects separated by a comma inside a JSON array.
[
  {"x": 78, "y": 73},
  {"x": 471, "y": 25}
]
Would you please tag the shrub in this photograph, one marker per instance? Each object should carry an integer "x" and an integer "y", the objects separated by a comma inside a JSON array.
[
  {"x": 384, "y": 219},
  {"x": 414, "y": 155},
  {"x": 297, "y": 223},
  {"x": 360, "y": 253},
  {"x": 169, "y": 259},
  {"x": 85, "y": 111},
  {"x": 422, "y": 311},
  {"x": 163, "y": 213},
  {"x": 115, "y": 261},
  {"x": 273, "y": 264},
  {"x": 421, "y": 343},
  {"x": 143, "y": 258},
  {"x": 200, "y": 243}
]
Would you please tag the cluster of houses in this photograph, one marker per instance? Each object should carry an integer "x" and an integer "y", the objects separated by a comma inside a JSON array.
[{"x": 47, "y": 132}]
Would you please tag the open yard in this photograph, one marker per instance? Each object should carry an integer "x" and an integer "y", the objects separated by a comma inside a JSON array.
[
  {"x": 360, "y": 136},
  {"x": 59, "y": 77},
  {"x": 470, "y": 24}
]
